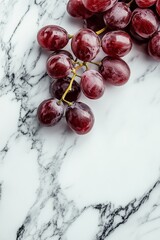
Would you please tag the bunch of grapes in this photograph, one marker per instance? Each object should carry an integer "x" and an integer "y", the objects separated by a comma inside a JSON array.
[{"x": 109, "y": 25}]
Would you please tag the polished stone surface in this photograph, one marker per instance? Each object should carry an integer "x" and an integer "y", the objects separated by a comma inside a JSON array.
[{"x": 55, "y": 184}]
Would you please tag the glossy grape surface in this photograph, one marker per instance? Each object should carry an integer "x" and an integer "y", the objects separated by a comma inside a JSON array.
[
  {"x": 115, "y": 71},
  {"x": 80, "y": 118},
  {"x": 92, "y": 84},
  {"x": 145, "y": 3},
  {"x": 59, "y": 66},
  {"x": 85, "y": 45},
  {"x": 76, "y": 9},
  {"x": 63, "y": 52},
  {"x": 119, "y": 16},
  {"x": 154, "y": 46},
  {"x": 58, "y": 88},
  {"x": 49, "y": 112},
  {"x": 144, "y": 22},
  {"x": 116, "y": 43},
  {"x": 52, "y": 37},
  {"x": 98, "y": 5}
]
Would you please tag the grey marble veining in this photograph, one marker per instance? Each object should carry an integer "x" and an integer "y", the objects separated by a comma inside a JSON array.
[{"x": 55, "y": 184}]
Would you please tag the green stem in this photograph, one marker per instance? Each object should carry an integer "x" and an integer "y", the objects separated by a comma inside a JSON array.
[{"x": 101, "y": 30}]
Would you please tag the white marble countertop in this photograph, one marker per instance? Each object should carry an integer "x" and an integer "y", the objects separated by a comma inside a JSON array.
[{"x": 57, "y": 185}]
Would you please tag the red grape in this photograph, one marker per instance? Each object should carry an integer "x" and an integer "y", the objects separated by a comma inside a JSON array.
[
  {"x": 52, "y": 37},
  {"x": 63, "y": 52},
  {"x": 76, "y": 9},
  {"x": 92, "y": 84},
  {"x": 115, "y": 71},
  {"x": 154, "y": 46},
  {"x": 80, "y": 118},
  {"x": 116, "y": 43},
  {"x": 144, "y": 22},
  {"x": 85, "y": 44},
  {"x": 97, "y": 5},
  {"x": 119, "y": 16},
  {"x": 158, "y": 7},
  {"x": 59, "y": 86},
  {"x": 50, "y": 112},
  {"x": 145, "y": 3},
  {"x": 59, "y": 66}
]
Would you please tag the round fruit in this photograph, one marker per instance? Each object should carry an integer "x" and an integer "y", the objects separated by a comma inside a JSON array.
[
  {"x": 92, "y": 84},
  {"x": 85, "y": 45},
  {"x": 50, "y": 112},
  {"x": 98, "y": 6},
  {"x": 158, "y": 7},
  {"x": 115, "y": 71},
  {"x": 59, "y": 86},
  {"x": 119, "y": 16},
  {"x": 59, "y": 66},
  {"x": 52, "y": 37},
  {"x": 76, "y": 9},
  {"x": 116, "y": 43},
  {"x": 154, "y": 46},
  {"x": 144, "y": 22},
  {"x": 80, "y": 118},
  {"x": 145, "y": 3}
]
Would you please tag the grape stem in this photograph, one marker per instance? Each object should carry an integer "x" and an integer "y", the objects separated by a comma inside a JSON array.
[
  {"x": 101, "y": 30},
  {"x": 70, "y": 36},
  {"x": 129, "y": 3},
  {"x": 96, "y": 63},
  {"x": 69, "y": 88}
]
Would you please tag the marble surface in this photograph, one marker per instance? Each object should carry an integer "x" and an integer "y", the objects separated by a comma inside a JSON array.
[{"x": 55, "y": 184}]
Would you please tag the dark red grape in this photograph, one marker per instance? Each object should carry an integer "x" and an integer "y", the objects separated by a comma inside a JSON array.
[
  {"x": 119, "y": 16},
  {"x": 158, "y": 7},
  {"x": 50, "y": 112},
  {"x": 63, "y": 52},
  {"x": 144, "y": 22},
  {"x": 85, "y": 45},
  {"x": 59, "y": 66},
  {"x": 59, "y": 86},
  {"x": 154, "y": 46},
  {"x": 145, "y": 3},
  {"x": 92, "y": 84},
  {"x": 97, "y": 5},
  {"x": 52, "y": 37},
  {"x": 76, "y": 9},
  {"x": 95, "y": 22},
  {"x": 115, "y": 71},
  {"x": 80, "y": 118},
  {"x": 116, "y": 43}
]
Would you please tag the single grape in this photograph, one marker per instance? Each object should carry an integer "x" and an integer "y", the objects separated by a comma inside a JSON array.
[
  {"x": 59, "y": 86},
  {"x": 116, "y": 43},
  {"x": 145, "y": 3},
  {"x": 80, "y": 118},
  {"x": 85, "y": 45},
  {"x": 95, "y": 22},
  {"x": 158, "y": 7},
  {"x": 98, "y": 5},
  {"x": 52, "y": 37},
  {"x": 119, "y": 16},
  {"x": 154, "y": 46},
  {"x": 63, "y": 52},
  {"x": 59, "y": 66},
  {"x": 76, "y": 9},
  {"x": 50, "y": 112},
  {"x": 115, "y": 70},
  {"x": 92, "y": 84},
  {"x": 144, "y": 22}
]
